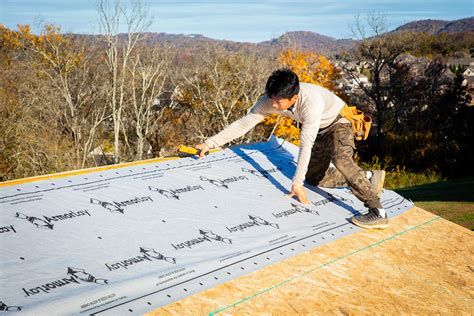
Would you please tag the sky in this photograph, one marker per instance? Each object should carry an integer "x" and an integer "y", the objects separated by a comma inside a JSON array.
[{"x": 237, "y": 20}]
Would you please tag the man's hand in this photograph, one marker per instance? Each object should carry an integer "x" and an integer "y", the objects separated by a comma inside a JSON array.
[
  {"x": 299, "y": 192},
  {"x": 203, "y": 149}
]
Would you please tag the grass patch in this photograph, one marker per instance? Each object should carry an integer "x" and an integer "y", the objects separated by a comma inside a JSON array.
[
  {"x": 454, "y": 190},
  {"x": 452, "y": 200},
  {"x": 399, "y": 177},
  {"x": 461, "y": 213}
]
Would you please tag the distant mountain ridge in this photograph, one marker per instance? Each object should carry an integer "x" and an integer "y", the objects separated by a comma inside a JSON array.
[
  {"x": 310, "y": 41},
  {"x": 305, "y": 40},
  {"x": 436, "y": 27},
  {"x": 314, "y": 41}
]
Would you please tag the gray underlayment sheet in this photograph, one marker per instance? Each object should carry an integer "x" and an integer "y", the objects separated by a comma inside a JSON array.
[{"x": 132, "y": 239}]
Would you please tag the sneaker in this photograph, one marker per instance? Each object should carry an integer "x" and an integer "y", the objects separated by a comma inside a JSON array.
[
  {"x": 370, "y": 220},
  {"x": 376, "y": 181}
]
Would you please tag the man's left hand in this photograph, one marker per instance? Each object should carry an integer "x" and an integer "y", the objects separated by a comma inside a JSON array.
[
  {"x": 203, "y": 149},
  {"x": 299, "y": 192}
]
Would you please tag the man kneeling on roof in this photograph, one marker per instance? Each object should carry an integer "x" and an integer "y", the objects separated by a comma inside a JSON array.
[{"x": 325, "y": 137}]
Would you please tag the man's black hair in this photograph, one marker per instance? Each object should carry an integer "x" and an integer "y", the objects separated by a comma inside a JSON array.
[{"x": 282, "y": 84}]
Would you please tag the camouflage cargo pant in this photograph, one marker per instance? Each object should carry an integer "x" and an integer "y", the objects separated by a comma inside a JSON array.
[{"x": 336, "y": 144}]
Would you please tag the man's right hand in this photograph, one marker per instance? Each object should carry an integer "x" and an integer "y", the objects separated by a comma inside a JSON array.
[
  {"x": 203, "y": 149},
  {"x": 298, "y": 191}
]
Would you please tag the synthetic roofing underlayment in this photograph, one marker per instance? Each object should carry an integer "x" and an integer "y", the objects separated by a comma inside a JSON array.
[{"x": 131, "y": 239}]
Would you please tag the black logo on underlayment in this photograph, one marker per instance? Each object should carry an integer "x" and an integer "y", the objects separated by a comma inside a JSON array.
[
  {"x": 118, "y": 207},
  {"x": 224, "y": 183},
  {"x": 206, "y": 236},
  {"x": 5, "y": 308},
  {"x": 75, "y": 276},
  {"x": 148, "y": 254},
  {"x": 7, "y": 229},
  {"x": 294, "y": 210},
  {"x": 47, "y": 221},
  {"x": 335, "y": 197},
  {"x": 255, "y": 221},
  {"x": 174, "y": 193},
  {"x": 330, "y": 199},
  {"x": 261, "y": 173}
]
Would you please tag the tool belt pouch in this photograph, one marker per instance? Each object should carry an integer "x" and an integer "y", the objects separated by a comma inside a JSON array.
[{"x": 360, "y": 122}]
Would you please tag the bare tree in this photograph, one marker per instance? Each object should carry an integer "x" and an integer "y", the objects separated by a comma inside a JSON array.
[
  {"x": 377, "y": 54},
  {"x": 67, "y": 69},
  {"x": 118, "y": 51},
  {"x": 220, "y": 87},
  {"x": 148, "y": 74}
]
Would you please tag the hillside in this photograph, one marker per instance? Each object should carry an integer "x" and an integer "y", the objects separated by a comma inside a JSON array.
[
  {"x": 310, "y": 41},
  {"x": 436, "y": 27},
  {"x": 304, "y": 40}
]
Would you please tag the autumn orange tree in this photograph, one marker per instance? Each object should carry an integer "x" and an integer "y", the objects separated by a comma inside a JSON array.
[{"x": 311, "y": 68}]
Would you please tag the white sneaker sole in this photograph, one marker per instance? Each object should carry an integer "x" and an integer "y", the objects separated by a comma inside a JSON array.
[{"x": 375, "y": 226}]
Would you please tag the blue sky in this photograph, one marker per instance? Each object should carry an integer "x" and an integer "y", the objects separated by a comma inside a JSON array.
[{"x": 238, "y": 20}]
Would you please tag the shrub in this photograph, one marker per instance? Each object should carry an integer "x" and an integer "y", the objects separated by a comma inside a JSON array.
[{"x": 400, "y": 177}]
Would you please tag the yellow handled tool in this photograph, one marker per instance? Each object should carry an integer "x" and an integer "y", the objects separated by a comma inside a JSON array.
[{"x": 189, "y": 150}]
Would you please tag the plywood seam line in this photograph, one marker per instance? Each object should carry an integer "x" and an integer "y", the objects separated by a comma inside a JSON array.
[{"x": 322, "y": 266}]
